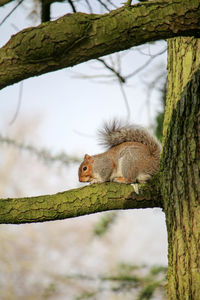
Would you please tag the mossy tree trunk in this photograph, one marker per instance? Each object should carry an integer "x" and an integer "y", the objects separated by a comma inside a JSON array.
[{"x": 180, "y": 168}]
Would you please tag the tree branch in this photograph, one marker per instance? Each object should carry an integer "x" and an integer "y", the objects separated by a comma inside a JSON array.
[
  {"x": 3, "y": 2},
  {"x": 78, "y": 202},
  {"x": 79, "y": 37}
]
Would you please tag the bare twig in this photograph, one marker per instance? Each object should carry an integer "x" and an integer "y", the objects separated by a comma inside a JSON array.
[
  {"x": 120, "y": 78},
  {"x": 104, "y": 5},
  {"x": 111, "y": 3},
  {"x": 152, "y": 57},
  {"x": 121, "y": 81},
  {"x": 18, "y": 103},
  {"x": 89, "y": 6},
  {"x": 8, "y": 15},
  {"x": 72, "y": 5}
]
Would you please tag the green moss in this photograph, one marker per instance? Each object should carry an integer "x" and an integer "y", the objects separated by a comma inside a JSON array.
[
  {"x": 148, "y": 291},
  {"x": 192, "y": 148},
  {"x": 155, "y": 270},
  {"x": 179, "y": 180}
]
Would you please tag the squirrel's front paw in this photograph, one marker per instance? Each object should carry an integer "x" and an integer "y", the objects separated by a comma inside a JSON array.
[{"x": 95, "y": 181}]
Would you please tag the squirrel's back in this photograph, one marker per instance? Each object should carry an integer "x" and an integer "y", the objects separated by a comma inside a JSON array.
[{"x": 115, "y": 133}]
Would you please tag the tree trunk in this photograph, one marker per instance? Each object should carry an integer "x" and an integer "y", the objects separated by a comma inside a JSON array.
[{"x": 180, "y": 168}]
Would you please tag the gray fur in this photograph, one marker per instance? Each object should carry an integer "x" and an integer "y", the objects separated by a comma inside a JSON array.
[
  {"x": 103, "y": 165},
  {"x": 115, "y": 133}
]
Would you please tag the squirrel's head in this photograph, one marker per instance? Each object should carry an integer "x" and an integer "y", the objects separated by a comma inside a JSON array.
[{"x": 85, "y": 169}]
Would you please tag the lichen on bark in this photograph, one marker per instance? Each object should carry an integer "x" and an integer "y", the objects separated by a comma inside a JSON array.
[
  {"x": 180, "y": 168},
  {"x": 78, "y": 202}
]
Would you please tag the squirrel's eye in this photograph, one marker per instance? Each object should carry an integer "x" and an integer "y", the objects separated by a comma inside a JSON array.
[{"x": 84, "y": 168}]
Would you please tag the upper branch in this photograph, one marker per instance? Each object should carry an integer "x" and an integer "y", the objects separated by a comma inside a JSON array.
[
  {"x": 3, "y": 2},
  {"x": 77, "y": 202},
  {"x": 79, "y": 37}
]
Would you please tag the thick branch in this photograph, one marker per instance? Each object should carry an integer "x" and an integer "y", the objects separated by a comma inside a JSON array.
[
  {"x": 79, "y": 37},
  {"x": 77, "y": 202},
  {"x": 3, "y": 2}
]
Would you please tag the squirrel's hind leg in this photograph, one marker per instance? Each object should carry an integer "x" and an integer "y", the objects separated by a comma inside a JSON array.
[
  {"x": 143, "y": 178},
  {"x": 121, "y": 179}
]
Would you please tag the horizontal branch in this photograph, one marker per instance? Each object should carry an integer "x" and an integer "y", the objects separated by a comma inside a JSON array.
[
  {"x": 79, "y": 37},
  {"x": 77, "y": 202},
  {"x": 3, "y": 2}
]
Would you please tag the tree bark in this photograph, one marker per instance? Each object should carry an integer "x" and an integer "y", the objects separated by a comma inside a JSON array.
[
  {"x": 79, "y": 37},
  {"x": 180, "y": 168},
  {"x": 78, "y": 202}
]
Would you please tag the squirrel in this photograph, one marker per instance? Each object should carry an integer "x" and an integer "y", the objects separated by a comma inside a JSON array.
[{"x": 133, "y": 156}]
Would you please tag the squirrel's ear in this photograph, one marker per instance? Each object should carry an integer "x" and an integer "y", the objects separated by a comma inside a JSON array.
[{"x": 87, "y": 157}]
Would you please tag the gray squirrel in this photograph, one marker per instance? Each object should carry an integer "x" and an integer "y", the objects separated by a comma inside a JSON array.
[{"x": 133, "y": 156}]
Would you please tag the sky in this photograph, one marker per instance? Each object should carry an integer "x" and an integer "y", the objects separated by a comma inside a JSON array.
[{"x": 70, "y": 105}]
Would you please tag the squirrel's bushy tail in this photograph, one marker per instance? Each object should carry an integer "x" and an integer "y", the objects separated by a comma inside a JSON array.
[{"x": 115, "y": 133}]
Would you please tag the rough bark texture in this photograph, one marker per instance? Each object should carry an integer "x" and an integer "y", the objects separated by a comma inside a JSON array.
[
  {"x": 79, "y": 37},
  {"x": 180, "y": 168},
  {"x": 78, "y": 202}
]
